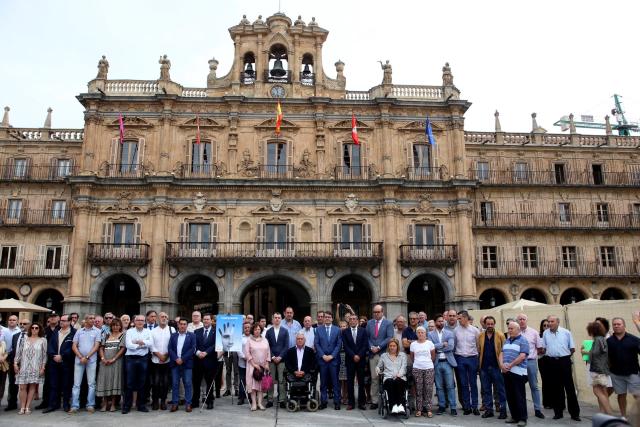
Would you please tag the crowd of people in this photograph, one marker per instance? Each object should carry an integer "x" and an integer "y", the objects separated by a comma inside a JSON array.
[{"x": 113, "y": 363}]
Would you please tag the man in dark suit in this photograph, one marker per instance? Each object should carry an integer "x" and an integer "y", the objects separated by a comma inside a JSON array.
[
  {"x": 328, "y": 341},
  {"x": 300, "y": 360},
  {"x": 205, "y": 361},
  {"x": 278, "y": 339},
  {"x": 356, "y": 345},
  {"x": 182, "y": 348},
  {"x": 60, "y": 358},
  {"x": 52, "y": 327},
  {"x": 379, "y": 332}
]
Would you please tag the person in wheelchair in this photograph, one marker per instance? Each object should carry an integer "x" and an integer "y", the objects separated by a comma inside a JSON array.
[
  {"x": 301, "y": 369},
  {"x": 393, "y": 368}
]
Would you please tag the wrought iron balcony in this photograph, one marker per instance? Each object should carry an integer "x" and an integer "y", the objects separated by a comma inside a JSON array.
[
  {"x": 118, "y": 253},
  {"x": 199, "y": 171},
  {"x": 552, "y": 177},
  {"x": 36, "y": 218},
  {"x": 553, "y": 269},
  {"x": 353, "y": 173},
  {"x": 307, "y": 79},
  {"x": 497, "y": 220},
  {"x": 428, "y": 254},
  {"x": 27, "y": 269},
  {"x": 273, "y": 79},
  {"x": 276, "y": 171},
  {"x": 22, "y": 173},
  {"x": 424, "y": 174},
  {"x": 124, "y": 170},
  {"x": 272, "y": 253}
]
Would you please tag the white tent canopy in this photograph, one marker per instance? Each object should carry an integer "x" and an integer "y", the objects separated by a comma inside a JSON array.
[{"x": 21, "y": 306}]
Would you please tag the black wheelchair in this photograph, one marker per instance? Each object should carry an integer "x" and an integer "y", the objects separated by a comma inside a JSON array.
[
  {"x": 301, "y": 392},
  {"x": 384, "y": 408}
]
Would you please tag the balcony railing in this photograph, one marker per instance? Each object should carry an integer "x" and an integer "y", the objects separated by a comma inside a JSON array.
[
  {"x": 496, "y": 220},
  {"x": 353, "y": 173},
  {"x": 118, "y": 253},
  {"x": 273, "y": 253},
  {"x": 199, "y": 171},
  {"x": 428, "y": 254},
  {"x": 34, "y": 269},
  {"x": 18, "y": 173},
  {"x": 34, "y": 217},
  {"x": 424, "y": 174},
  {"x": 552, "y": 177},
  {"x": 551, "y": 269},
  {"x": 125, "y": 170},
  {"x": 307, "y": 79},
  {"x": 276, "y": 171},
  {"x": 273, "y": 79}
]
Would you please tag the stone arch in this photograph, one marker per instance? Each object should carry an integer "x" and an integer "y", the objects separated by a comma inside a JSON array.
[
  {"x": 97, "y": 286},
  {"x": 498, "y": 296},
  {"x": 613, "y": 293},
  {"x": 180, "y": 279},
  {"x": 363, "y": 274},
  {"x": 251, "y": 280},
  {"x": 447, "y": 286}
]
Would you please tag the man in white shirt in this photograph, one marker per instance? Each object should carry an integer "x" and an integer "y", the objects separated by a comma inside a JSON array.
[
  {"x": 196, "y": 322},
  {"x": 309, "y": 332},
  {"x": 12, "y": 389},
  {"x": 138, "y": 342},
  {"x": 160, "y": 372},
  {"x": 242, "y": 362}
]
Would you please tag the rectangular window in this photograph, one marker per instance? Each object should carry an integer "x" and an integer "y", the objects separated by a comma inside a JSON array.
[
  {"x": 486, "y": 211},
  {"x": 422, "y": 159},
  {"x": 521, "y": 172},
  {"x": 597, "y": 174},
  {"x": 20, "y": 168},
  {"x": 8, "y": 256},
  {"x": 275, "y": 236},
  {"x": 529, "y": 256},
  {"x": 559, "y": 173},
  {"x": 351, "y": 160},
  {"x": 564, "y": 212},
  {"x": 58, "y": 209},
  {"x": 607, "y": 256},
  {"x": 602, "y": 212},
  {"x": 63, "y": 168},
  {"x": 635, "y": 211},
  {"x": 201, "y": 158},
  {"x": 276, "y": 157},
  {"x": 489, "y": 257},
  {"x": 52, "y": 257},
  {"x": 15, "y": 209},
  {"x": 482, "y": 171},
  {"x": 569, "y": 257},
  {"x": 123, "y": 233},
  {"x": 351, "y": 236},
  {"x": 425, "y": 235},
  {"x": 129, "y": 156},
  {"x": 199, "y": 234}
]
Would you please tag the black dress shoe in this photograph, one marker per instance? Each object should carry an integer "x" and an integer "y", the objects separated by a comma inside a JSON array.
[
  {"x": 240, "y": 402},
  {"x": 125, "y": 410},
  {"x": 163, "y": 406},
  {"x": 41, "y": 406},
  {"x": 155, "y": 406},
  {"x": 557, "y": 416},
  {"x": 322, "y": 406},
  {"x": 476, "y": 412},
  {"x": 466, "y": 411},
  {"x": 217, "y": 395},
  {"x": 337, "y": 407},
  {"x": 269, "y": 404},
  {"x": 576, "y": 418},
  {"x": 441, "y": 410},
  {"x": 362, "y": 407},
  {"x": 46, "y": 411},
  {"x": 226, "y": 393},
  {"x": 502, "y": 416},
  {"x": 511, "y": 421},
  {"x": 540, "y": 415},
  {"x": 143, "y": 409},
  {"x": 487, "y": 414},
  {"x": 454, "y": 413},
  {"x": 210, "y": 405}
]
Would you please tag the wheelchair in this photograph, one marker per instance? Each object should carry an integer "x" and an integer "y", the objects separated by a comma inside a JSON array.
[
  {"x": 384, "y": 408},
  {"x": 301, "y": 392}
]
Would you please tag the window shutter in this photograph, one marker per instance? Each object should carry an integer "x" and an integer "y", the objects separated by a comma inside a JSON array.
[
  {"x": 262, "y": 153},
  {"x": 24, "y": 208},
  {"x": 596, "y": 254},
  {"x": 364, "y": 161},
  {"x": 367, "y": 232},
  {"x": 409, "y": 151},
  {"x": 541, "y": 253},
  {"x": 8, "y": 172},
  {"x": 619, "y": 251},
  {"x": 440, "y": 234},
  {"x": 214, "y": 232},
  {"x": 291, "y": 233},
  {"x": 634, "y": 250},
  {"x": 558, "y": 259},
  {"x": 41, "y": 257},
  {"x": 138, "y": 230},
  {"x": 411, "y": 234},
  {"x": 479, "y": 256},
  {"x": 579, "y": 255},
  {"x": 188, "y": 149},
  {"x": 499, "y": 253},
  {"x": 64, "y": 259},
  {"x": 106, "y": 232},
  {"x": 115, "y": 151},
  {"x": 336, "y": 232},
  {"x": 290, "y": 157},
  {"x": 19, "y": 256},
  {"x": 141, "y": 153},
  {"x": 53, "y": 168},
  {"x": 260, "y": 232},
  {"x": 518, "y": 254},
  {"x": 28, "y": 167},
  {"x": 183, "y": 237}
]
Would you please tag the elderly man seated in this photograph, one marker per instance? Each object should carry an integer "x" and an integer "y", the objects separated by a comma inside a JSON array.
[{"x": 300, "y": 360}]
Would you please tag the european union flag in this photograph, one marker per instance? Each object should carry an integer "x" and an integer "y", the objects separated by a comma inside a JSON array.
[{"x": 429, "y": 133}]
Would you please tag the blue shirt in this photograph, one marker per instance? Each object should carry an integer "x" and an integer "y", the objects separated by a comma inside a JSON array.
[
  {"x": 409, "y": 334},
  {"x": 293, "y": 329},
  {"x": 511, "y": 350},
  {"x": 85, "y": 340},
  {"x": 558, "y": 343},
  {"x": 180, "y": 344}
]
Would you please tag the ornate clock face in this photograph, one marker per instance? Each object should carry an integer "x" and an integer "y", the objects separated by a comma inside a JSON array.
[{"x": 277, "y": 91}]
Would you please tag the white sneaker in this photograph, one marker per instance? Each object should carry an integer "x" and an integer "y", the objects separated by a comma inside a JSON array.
[
  {"x": 394, "y": 410},
  {"x": 401, "y": 409}
]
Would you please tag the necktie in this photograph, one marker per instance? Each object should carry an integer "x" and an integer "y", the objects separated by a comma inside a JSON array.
[
  {"x": 355, "y": 334},
  {"x": 328, "y": 332},
  {"x": 206, "y": 334},
  {"x": 377, "y": 327}
]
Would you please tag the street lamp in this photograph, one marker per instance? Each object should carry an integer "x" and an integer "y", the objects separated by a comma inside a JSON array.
[
  {"x": 573, "y": 299},
  {"x": 492, "y": 301},
  {"x": 425, "y": 286},
  {"x": 122, "y": 286},
  {"x": 351, "y": 287},
  {"x": 49, "y": 302},
  {"x": 198, "y": 287}
]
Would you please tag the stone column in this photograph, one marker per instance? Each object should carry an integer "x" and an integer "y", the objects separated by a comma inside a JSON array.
[
  {"x": 391, "y": 284},
  {"x": 155, "y": 291},
  {"x": 78, "y": 292},
  {"x": 387, "y": 147},
  {"x": 466, "y": 286}
]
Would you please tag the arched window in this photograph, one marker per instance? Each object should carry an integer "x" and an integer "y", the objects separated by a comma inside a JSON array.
[
  {"x": 278, "y": 65},
  {"x": 307, "y": 75},
  {"x": 248, "y": 73}
]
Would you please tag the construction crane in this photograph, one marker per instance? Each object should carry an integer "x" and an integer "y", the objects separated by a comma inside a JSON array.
[{"x": 623, "y": 126}]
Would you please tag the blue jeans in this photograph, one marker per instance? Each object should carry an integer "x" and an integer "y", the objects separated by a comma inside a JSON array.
[
  {"x": 532, "y": 373},
  {"x": 136, "y": 377},
  {"x": 491, "y": 376},
  {"x": 468, "y": 371},
  {"x": 78, "y": 371},
  {"x": 181, "y": 373},
  {"x": 445, "y": 383}
]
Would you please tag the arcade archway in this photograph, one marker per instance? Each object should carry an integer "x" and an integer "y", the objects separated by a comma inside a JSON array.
[
  {"x": 572, "y": 295},
  {"x": 612, "y": 294},
  {"x": 51, "y": 299},
  {"x": 351, "y": 290},
  {"x": 197, "y": 292},
  {"x": 121, "y": 295},
  {"x": 535, "y": 295},
  {"x": 275, "y": 293},
  {"x": 491, "y": 298},
  {"x": 426, "y": 293}
]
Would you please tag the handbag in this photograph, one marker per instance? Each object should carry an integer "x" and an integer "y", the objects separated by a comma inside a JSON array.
[
  {"x": 258, "y": 374},
  {"x": 267, "y": 382}
]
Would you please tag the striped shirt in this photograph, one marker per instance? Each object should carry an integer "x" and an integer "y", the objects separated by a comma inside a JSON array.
[{"x": 512, "y": 349}]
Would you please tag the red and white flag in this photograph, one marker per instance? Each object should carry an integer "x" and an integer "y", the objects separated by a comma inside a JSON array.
[
  {"x": 354, "y": 129},
  {"x": 197, "y": 129},
  {"x": 121, "y": 123}
]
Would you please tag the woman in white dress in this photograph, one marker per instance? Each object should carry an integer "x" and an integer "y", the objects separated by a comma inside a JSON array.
[{"x": 29, "y": 363}]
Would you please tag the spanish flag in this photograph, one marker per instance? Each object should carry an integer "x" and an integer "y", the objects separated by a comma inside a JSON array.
[
  {"x": 197, "y": 129},
  {"x": 354, "y": 129},
  {"x": 278, "y": 118}
]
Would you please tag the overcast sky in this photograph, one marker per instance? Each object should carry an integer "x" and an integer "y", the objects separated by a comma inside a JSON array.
[{"x": 551, "y": 57}]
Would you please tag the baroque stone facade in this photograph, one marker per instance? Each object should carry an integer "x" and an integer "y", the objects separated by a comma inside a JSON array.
[{"x": 196, "y": 202}]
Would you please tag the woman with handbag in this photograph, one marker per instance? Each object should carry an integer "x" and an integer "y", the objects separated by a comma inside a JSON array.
[{"x": 257, "y": 353}]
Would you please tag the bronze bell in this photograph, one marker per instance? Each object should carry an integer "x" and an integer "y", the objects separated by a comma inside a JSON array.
[
  {"x": 306, "y": 70},
  {"x": 249, "y": 70},
  {"x": 277, "y": 70}
]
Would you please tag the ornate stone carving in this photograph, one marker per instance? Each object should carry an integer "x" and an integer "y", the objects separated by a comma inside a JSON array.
[
  {"x": 424, "y": 204},
  {"x": 306, "y": 167},
  {"x": 246, "y": 164},
  {"x": 165, "y": 65},
  {"x": 447, "y": 77},
  {"x": 386, "y": 72},
  {"x": 199, "y": 201},
  {"x": 351, "y": 202},
  {"x": 124, "y": 202},
  {"x": 103, "y": 68},
  {"x": 276, "y": 202},
  {"x": 213, "y": 66}
]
